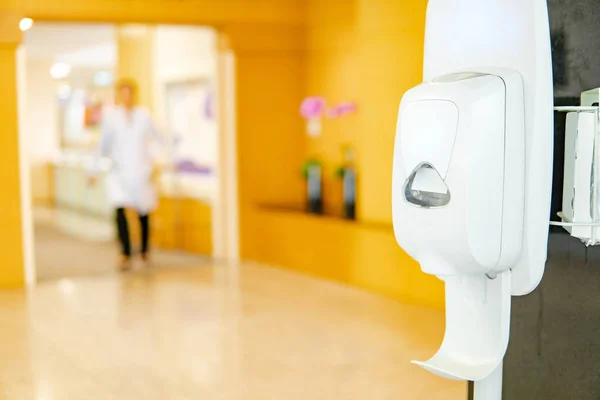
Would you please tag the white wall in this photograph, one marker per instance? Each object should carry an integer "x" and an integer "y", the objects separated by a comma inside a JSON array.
[
  {"x": 49, "y": 40},
  {"x": 184, "y": 52},
  {"x": 41, "y": 133},
  {"x": 186, "y": 59},
  {"x": 40, "y": 137},
  {"x": 87, "y": 48},
  {"x": 181, "y": 54}
]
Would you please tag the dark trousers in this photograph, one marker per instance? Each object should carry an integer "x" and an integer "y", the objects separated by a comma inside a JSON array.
[{"x": 123, "y": 229}]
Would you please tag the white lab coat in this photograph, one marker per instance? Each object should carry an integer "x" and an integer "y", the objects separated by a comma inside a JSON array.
[{"x": 128, "y": 139}]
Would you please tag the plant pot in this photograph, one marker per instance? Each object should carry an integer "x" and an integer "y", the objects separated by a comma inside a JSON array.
[
  {"x": 349, "y": 190},
  {"x": 314, "y": 189}
]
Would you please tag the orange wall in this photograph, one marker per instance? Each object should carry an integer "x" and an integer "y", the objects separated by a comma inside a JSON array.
[
  {"x": 10, "y": 206},
  {"x": 270, "y": 84},
  {"x": 135, "y": 59},
  {"x": 182, "y": 224},
  {"x": 333, "y": 71},
  {"x": 370, "y": 52},
  {"x": 201, "y": 12},
  {"x": 11, "y": 244},
  {"x": 359, "y": 254}
]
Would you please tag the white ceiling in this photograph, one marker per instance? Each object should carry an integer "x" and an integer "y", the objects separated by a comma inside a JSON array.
[{"x": 80, "y": 45}]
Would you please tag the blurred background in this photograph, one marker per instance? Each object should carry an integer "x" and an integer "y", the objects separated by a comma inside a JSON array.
[
  {"x": 279, "y": 147},
  {"x": 70, "y": 72},
  {"x": 275, "y": 272}
]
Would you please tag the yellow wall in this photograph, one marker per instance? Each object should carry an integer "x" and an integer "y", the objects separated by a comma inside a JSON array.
[
  {"x": 201, "y": 12},
  {"x": 182, "y": 224},
  {"x": 11, "y": 270},
  {"x": 369, "y": 52},
  {"x": 270, "y": 80},
  {"x": 360, "y": 254},
  {"x": 135, "y": 59},
  {"x": 42, "y": 184}
]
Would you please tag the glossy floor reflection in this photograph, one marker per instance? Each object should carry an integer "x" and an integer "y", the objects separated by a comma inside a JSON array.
[
  {"x": 69, "y": 244},
  {"x": 214, "y": 332}
]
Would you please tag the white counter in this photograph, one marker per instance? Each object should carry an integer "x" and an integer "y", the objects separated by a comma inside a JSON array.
[
  {"x": 71, "y": 172},
  {"x": 72, "y": 190}
]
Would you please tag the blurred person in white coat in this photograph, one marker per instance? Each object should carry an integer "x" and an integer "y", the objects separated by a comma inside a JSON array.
[{"x": 128, "y": 139}]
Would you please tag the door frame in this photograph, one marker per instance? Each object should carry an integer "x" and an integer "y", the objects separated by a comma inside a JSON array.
[{"x": 226, "y": 217}]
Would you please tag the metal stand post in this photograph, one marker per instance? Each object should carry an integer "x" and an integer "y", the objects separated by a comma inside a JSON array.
[{"x": 491, "y": 387}]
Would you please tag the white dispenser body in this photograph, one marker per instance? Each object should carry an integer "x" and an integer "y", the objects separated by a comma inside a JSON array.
[
  {"x": 472, "y": 174},
  {"x": 455, "y": 137}
]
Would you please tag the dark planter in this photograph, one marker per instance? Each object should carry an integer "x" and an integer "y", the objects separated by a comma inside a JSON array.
[
  {"x": 349, "y": 189},
  {"x": 314, "y": 190}
]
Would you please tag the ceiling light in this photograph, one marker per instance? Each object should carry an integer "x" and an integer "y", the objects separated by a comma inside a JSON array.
[
  {"x": 60, "y": 71},
  {"x": 25, "y": 24}
]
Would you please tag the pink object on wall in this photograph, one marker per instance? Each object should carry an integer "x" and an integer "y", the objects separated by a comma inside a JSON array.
[
  {"x": 341, "y": 109},
  {"x": 313, "y": 107}
]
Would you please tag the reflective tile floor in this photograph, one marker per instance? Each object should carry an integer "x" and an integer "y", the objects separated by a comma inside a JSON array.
[
  {"x": 214, "y": 332},
  {"x": 68, "y": 244}
]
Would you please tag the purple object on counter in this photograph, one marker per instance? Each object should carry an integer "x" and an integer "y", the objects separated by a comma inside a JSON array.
[{"x": 190, "y": 167}]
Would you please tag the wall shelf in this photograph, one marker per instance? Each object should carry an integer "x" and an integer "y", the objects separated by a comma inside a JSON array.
[{"x": 326, "y": 216}]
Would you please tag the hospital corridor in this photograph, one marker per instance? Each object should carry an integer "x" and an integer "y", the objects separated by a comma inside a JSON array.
[
  {"x": 299, "y": 200},
  {"x": 192, "y": 321}
]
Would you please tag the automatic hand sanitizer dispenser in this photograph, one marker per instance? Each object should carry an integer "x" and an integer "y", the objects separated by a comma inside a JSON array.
[
  {"x": 472, "y": 173},
  {"x": 459, "y": 184}
]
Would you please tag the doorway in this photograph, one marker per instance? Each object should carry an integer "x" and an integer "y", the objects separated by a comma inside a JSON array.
[{"x": 66, "y": 75}]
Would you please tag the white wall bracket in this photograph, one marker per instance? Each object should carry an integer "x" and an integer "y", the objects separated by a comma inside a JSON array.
[{"x": 580, "y": 215}]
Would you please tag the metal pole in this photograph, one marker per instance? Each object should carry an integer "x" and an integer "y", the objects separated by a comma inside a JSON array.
[{"x": 491, "y": 387}]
